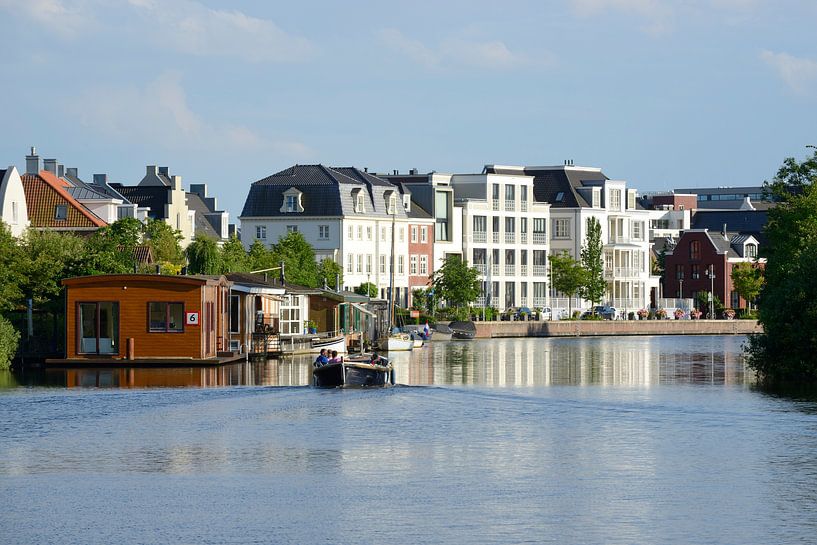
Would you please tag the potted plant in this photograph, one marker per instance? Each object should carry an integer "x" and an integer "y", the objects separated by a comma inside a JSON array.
[
  {"x": 695, "y": 314},
  {"x": 729, "y": 314},
  {"x": 679, "y": 313},
  {"x": 311, "y": 327},
  {"x": 643, "y": 313},
  {"x": 661, "y": 314}
]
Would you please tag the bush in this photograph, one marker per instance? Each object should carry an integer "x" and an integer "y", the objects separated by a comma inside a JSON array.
[{"x": 9, "y": 337}]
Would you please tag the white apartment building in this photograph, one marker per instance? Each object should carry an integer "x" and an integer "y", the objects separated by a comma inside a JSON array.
[{"x": 346, "y": 214}]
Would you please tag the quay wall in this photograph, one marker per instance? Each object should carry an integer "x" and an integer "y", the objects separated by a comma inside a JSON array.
[{"x": 591, "y": 328}]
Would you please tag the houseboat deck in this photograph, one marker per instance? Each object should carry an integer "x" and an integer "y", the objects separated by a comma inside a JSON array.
[{"x": 145, "y": 362}]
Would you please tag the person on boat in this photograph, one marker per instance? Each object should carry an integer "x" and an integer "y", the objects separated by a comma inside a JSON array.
[
  {"x": 375, "y": 360},
  {"x": 335, "y": 358},
  {"x": 322, "y": 358}
]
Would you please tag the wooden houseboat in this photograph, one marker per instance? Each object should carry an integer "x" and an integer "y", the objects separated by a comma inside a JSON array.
[{"x": 154, "y": 319}]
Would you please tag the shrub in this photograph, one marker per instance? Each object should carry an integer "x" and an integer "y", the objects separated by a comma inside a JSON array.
[{"x": 9, "y": 337}]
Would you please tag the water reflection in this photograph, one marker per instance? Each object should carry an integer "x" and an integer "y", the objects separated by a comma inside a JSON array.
[{"x": 606, "y": 361}]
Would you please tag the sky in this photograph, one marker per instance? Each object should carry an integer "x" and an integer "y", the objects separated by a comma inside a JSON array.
[{"x": 660, "y": 94}]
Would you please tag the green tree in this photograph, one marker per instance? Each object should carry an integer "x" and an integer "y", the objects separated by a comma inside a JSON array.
[
  {"x": 421, "y": 300},
  {"x": 203, "y": 256},
  {"x": 260, "y": 257},
  {"x": 567, "y": 276},
  {"x": 165, "y": 243},
  {"x": 9, "y": 338},
  {"x": 329, "y": 270},
  {"x": 11, "y": 257},
  {"x": 368, "y": 289},
  {"x": 48, "y": 258},
  {"x": 298, "y": 257},
  {"x": 748, "y": 281},
  {"x": 593, "y": 262},
  {"x": 785, "y": 350},
  {"x": 234, "y": 258},
  {"x": 456, "y": 283},
  {"x": 111, "y": 248}
]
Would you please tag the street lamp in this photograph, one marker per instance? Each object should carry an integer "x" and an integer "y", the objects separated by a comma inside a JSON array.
[
  {"x": 711, "y": 292},
  {"x": 681, "y": 281}
]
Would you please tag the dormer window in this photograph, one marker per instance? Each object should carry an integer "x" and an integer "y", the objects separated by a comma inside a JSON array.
[
  {"x": 391, "y": 202},
  {"x": 751, "y": 250},
  {"x": 596, "y": 197},
  {"x": 407, "y": 203},
  {"x": 292, "y": 201},
  {"x": 357, "y": 198},
  {"x": 61, "y": 212}
]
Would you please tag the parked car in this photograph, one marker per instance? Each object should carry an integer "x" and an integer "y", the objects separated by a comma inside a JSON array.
[
  {"x": 606, "y": 312},
  {"x": 545, "y": 314}
]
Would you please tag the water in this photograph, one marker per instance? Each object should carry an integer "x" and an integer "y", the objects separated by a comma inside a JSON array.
[{"x": 632, "y": 440}]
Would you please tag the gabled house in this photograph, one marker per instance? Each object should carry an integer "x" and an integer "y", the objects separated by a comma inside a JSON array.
[
  {"x": 13, "y": 207},
  {"x": 702, "y": 261},
  {"x": 346, "y": 214},
  {"x": 51, "y": 206},
  {"x": 209, "y": 220}
]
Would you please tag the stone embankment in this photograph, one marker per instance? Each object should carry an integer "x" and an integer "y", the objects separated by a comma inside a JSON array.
[{"x": 589, "y": 328}]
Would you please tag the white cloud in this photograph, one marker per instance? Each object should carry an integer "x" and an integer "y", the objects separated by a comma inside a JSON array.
[
  {"x": 193, "y": 28},
  {"x": 798, "y": 73},
  {"x": 159, "y": 113},
  {"x": 459, "y": 52},
  {"x": 62, "y": 18}
]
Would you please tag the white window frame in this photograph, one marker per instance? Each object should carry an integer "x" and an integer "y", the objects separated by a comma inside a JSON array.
[
  {"x": 261, "y": 232},
  {"x": 413, "y": 265},
  {"x": 414, "y": 234},
  {"x": 423, "y": 234},
  {"x": 424, "y": 265},
  {"x": 561, "y": 228},
  {"x": 323, "y": 232}
]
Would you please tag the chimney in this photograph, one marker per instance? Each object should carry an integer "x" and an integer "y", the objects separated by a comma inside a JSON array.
[
  {"x": 60, "y": 170},
  {"x": 164, "y": 171},
  {"x": 199, "y": 189},
  {"x": 72, "y": 171},
  {"x": 724, "y": 232},
  {"x": 52, "y": 166},
  {"x": 101, "y": 179},
  {"x": 33, "y": 163},
  {"x": 365, "y": 169},
  {"x": 413, "y": 172},
  {"x": 152, "y": 170},
  {"x": 176, "y": 181}
]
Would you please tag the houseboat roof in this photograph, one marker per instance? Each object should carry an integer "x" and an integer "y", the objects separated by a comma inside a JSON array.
[{"x": 195, "y": 280}]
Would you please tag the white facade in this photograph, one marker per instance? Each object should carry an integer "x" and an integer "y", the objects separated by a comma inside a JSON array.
[
  {"x": 13, "y": 209},
  {"x": 505, "y": 237}
]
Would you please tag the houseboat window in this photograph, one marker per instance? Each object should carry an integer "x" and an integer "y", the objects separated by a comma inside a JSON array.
[
  {"x": 166, "y": 317},
  {"x": 98, "y": 328},
  {"x": 234, "y": 314}
]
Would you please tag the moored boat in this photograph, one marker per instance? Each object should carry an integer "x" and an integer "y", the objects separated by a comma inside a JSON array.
[
  {"x": 463, "y": 330},
  {"x": 330, "y": 343},
  {"x": 355, "y": 372},
  {"x": 397, "y": 341}
]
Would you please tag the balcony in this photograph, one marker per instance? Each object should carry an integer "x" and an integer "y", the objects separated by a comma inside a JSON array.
[
  {"x": 540, "y": 270},
  {"x": 510, "y": 270},
  {"x": 540, "y": 238},
  {"x": 495, "y": 205},
  {"x": 510, "y": 205},
  {"x": 539, "y": 302},
  {"x": 495, "y": 269},
  {"x": 480, "y": 236},
  {"x": 495, "y": 237},
  {"x": 523, "y": 238},
  {"x": 620, "y": 239},
  {"x": 482, "y": 268},
  {"x": 480, "y": 302},
  {"x": 524, "y": 206},
  {"x": 621, "y": 272},
  {"x": 523, "y": 270},
  {"x": 510, "y": 238}
]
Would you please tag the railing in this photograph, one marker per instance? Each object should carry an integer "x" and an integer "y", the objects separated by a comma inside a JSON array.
[
  {"x": 495, "y": 204},
  {"x": 523, "y": 238},
  {"x": 539, "y": 302},
  {"x": 480, "y": 302},
  {"x": 495, "y": 237},
  {"x": 540, "y": 270},
  {"x": 524, "y": 206},
  {"x": 510, "y": 205},
  {"x": 482, "y": 268},
  {"x": 540, "y": 238},
  {"x": 510, "y": 270},
  {"x": 523, "y": 301},
  {"x": 510, "y": 238},
  {"x": 628, "y": 304},
  {"x": 495, "y": 269},
  {"x": 523, "y": 270},
  {"x": 619, "y": 239},
  {"x": 480, "y": 236},
  {"x": 622, "y": 272}
]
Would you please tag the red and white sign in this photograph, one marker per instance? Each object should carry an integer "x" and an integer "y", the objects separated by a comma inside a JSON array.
[
  {"x": 192, "y": 318},
  {"x": 414, "y": 313}
]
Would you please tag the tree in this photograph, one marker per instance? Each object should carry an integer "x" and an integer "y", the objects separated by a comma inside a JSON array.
[
  {"x": 203, "y": 256},
  {"x": 567, "y": 275},
  {"x": 48, "y": 258},
  {"x": 260, "y": 257},
  {"x": 421, "y": 300},
  {"x": 298, "y": 257},
  {"x": 330, "y": 272},
  {"x": 111, "y": 249},
  {"x": 748, "y": 281},
  {"x": 592, "y": 255},
  {"x": 785, "y": 350},
  {"x": 10, "y": 278},
  {"x": 368, "y": 289},
  {"x": 234, "y": 257},
  {"x": 456, "y": 282},
  {"x": 165, "y": 243}
]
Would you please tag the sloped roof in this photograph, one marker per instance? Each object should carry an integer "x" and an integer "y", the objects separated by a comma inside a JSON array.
[
  {"x": 44, "y": 192},
  {"x": 549, "y": 183},
  {"x": 203, "y": 225},
  {"x": 742, "y": 221},
  {"x": 153, "y": 197}
]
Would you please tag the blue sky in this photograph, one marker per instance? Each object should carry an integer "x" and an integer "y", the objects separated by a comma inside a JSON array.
[{"x": 661, "y": 94}]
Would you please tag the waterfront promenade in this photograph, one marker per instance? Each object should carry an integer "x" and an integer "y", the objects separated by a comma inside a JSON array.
[{"x": 592, "y": 328}]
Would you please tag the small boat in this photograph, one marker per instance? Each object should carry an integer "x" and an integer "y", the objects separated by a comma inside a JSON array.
[
  {"x": 463, "y": 330},
  {"x": 440, "y": 332},
  {"x": 396, "y": 341},
  {"x": 355, "y": 372},
  {"x": 330, "y": 343}
]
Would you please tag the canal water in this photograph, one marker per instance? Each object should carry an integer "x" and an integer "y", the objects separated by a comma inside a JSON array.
[{"x": 592, "y": 440}]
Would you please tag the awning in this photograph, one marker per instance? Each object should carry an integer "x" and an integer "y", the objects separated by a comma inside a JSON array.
[{"x": 361, "y": 309}]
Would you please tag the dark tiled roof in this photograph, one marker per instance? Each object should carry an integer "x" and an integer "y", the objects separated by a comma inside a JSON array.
[
  {"x": 44, "y": 192},
  {"x": 154, "y": 197},
  {"x": 742, "y": 221},
  {"x": 362, "y": 176},
  {"x": 203, "y": 225},
  {"x": 2, "y": 174},
  {"x": 418, "y": 212}
]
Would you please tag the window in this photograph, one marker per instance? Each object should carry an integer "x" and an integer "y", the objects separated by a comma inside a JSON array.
[
  {"x": 382, "y": 264},
  {"x": 638, "y": 230},
  {"x": 359, "y": 263},
  {"x": 357, "y": 195},
  {"x": 61, "y": 212},
  {"x": 495, "y": 196},
  {"x": 424, "y": 265},
  {"x": 695, "y": 271},
  {"x": 679, "y": 272},
  {"x": 323, "y": 232},
  {"x": 523, "y": 196},
  {"x": 401, "y": 264},
  {"x": 292, "y": 203},
  {"x": 442, "y": 210},
  {"x": 560, "y": 196},
  {"x": 291, "y": 315},
  {"x": 695, "y": 249},
  {"x": 235, "y": 313},
  {"x": 350, "y": 232},
  {"x": 615, "y": 199},
  {"x": 292, "y": 228},
  {"x": 561, "y": 228},
  {"x": 382, "y": 233},
  {"x": 14, "y": 216},
  {"x": 166, "y": 317},
  {"x": 751, "y": 250},
  {"x": 480, "y": 224},
  {"x": 350, "y": 262},
  {"x": 402, "y": 234},
  {"x": 360, "y": 232},
  {"x": 368, "y": 263},
  {"x": 413, "y": 265},
  {"x": 368, "y": 232},
  {"x": 392, "y": 204},
  {"x": 261, "y": 231},
  {"x": 98, "y": 328},
  {"x": 423, "y": 234},
  {"x": 631, "y": 199},
  {"x": 414, "y": 233},
  {"x": 510, "y": 225},
  {"x": 596, "y": 197}
]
